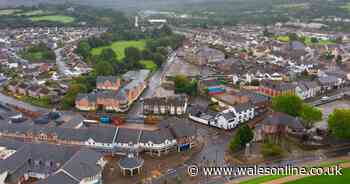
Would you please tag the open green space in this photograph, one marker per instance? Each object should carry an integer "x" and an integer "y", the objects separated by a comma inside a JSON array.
[
  {"x": 346, "y": 7},
  {"x": 53, "y": 18},
  {"x": 282, "y": 38},
  {"x": 285, "y": 38},
  {"x": 33, "y": 13},
  {"x": 325, "y": 179},
  {"x": 149, "y": 64},
  {"x": 263, "y": 179},
  {"x": 119, "y": 47},
  {"x": 9, "y": 11}
]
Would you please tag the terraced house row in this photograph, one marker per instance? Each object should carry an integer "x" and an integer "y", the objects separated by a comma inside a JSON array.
[
  {"x": 113, "y": 93},
  {"x": 172, "y": 135}
]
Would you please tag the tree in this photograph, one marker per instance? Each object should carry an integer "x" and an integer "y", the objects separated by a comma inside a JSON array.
[
  {"x": 107, "y": 54},
  {"x": 83, "y": 49},
  {"x": 289, "y": 104},
  {"x": 243, "y": 136},
  {"x": 310, "y": 115},
  {"x": 69, "y": 98},
  {"x": 314, "y": 40},
  {"x": 339, "y": 123},
  {"x": 159, "y": 59},
  {"x": 104, "y": 68},
  {"x": 339, "y": 60},
  {"x": 293, "y": 37},
  {"x": 184, "y": 85},
  {"x": 132, "y": 54}
]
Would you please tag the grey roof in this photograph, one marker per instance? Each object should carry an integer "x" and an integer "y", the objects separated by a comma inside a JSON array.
[
  {"x": 279, "y": 118},
  {"x": 130, "y": 162},
  {"x": 328, "y": 79},
  {"x": 83, "y": 164},
  {"x": 180, "y": 128},
  {"x": 297, "y": 45},
  {"x": 156, "y": 137},
  {"x": 243, "y": 107},
  {"x": 59, "y": 178},
  {"x": 127, "y": 136}
]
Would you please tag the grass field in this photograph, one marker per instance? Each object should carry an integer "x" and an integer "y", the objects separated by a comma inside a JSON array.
[
  {"x": 120, "y": 46},
  {"x": 9, "y": 11},
  {"x": 263, "y": 179},
  {"x": 54, "y": 18},
  {"x": 282, "y": 38},
  {"x": 325, "y": 179},
  {"x": 346, "y": 7},
  {"x": 285, "y": 38},
  {"x": 32, "y": 13},
  {"x": 150, "y": 65}
]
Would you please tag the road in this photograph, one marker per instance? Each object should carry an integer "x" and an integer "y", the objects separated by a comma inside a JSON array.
[
  {"x": 154, "y": 82},
  {"x": 334, "y": 96},
  {"x": 62, "y": 68}
]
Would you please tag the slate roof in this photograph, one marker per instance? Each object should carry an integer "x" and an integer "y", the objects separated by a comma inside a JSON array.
[
  {"x": 127, "y": 136},
  {"x": 83, "y": 164},
  {"x": 59, "y": 178},
  {"x": 130, "y": 162},
  {"x": 279, "y": 118},
  {"x": 180, "y": 128}
]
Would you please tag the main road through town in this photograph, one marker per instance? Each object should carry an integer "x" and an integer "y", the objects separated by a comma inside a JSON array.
[{"x": 154, "y": 83}]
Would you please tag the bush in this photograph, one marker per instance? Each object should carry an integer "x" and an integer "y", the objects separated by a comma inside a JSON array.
[{"x": 271, "y": 150}]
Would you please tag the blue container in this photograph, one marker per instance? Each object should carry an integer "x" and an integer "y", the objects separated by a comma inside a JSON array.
[{"x": 105, "y": 120}]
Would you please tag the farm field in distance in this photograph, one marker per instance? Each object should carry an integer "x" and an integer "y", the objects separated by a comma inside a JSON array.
[{"x": 53, "y": 18}]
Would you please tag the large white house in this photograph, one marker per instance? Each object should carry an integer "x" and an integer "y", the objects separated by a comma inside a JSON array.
[{"x": 227, "y": 119}]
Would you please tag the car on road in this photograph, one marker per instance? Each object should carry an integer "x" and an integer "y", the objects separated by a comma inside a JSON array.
[{"x": 325, "y": 98}]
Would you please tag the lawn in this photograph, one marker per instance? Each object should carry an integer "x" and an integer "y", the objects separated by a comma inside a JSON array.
[
  {"x": 282, "y": 38},
  {"x": 120, "y": 46},
  {"x": 53, "y": 18},
  {"x": 263, "y": 179},
  {"x": 285, "y": 38},
  {"x": 9, "y": 11},
  {"x": 325, "y": 179},
  {"x": 33, "y": 13},
  {"x": 346, "y": 7},
  {"x": 150, "y": 65}
]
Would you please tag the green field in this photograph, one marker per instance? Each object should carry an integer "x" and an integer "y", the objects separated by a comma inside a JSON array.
[
  {"x": 150, "y": 65},
  {"x": 282, "y": 38},
  {"x": 346, "y": 7},
  {"x": 9, "y": 11},
  {"x": 285, "y": 38},
  {"x": 120, "y": 46},
  {"x": 53, "y": 18},
  {"x": 262, "y": 179},
  {"x": 32, "y": 13},
  {"x": 325, "y": 179}
]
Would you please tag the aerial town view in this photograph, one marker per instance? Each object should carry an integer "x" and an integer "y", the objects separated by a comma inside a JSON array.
[{"x": 174, "y": 91}]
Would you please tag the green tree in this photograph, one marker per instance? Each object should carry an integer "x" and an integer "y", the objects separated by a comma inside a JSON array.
[
  {"x": 310, "y": 115},
  {"x": 68, "y": 100},
  {"x": 159, "y": 59},
  {"x": 132, "y": 54},
  {"x": 107, "y": 54},
  {"x": 339, "y": 123},
  {"x": 104, "y": 68},
  {"x": 289, "y": 104},
  {"x": 314, "y": 40},
  {"x": 83, "y": 49},
  {"x": 243, "y": 136}
]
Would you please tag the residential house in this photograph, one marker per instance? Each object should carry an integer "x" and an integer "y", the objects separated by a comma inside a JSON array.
[
  {"x": 307, "y": 89},
  {"x": 174, "y": 105},
  {"x": 108, "y": 83},
  {"x": 278, "y": 124},
  {"x": 276, "y": 88}
]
